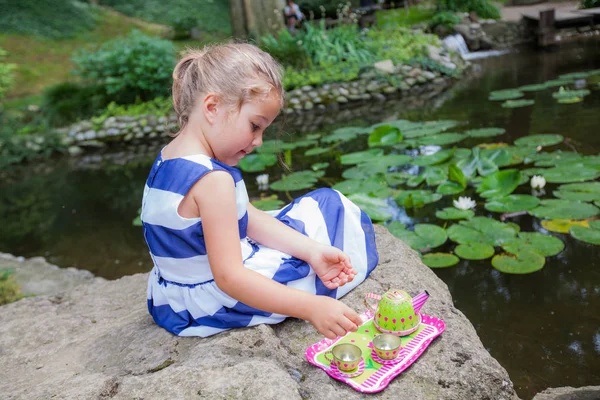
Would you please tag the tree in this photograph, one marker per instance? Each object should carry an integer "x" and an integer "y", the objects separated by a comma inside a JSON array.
[{"x": 253, "y": 19}]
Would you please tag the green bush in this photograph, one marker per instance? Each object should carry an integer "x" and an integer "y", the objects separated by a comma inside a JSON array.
[
  {"x": 286, "y": 49},
  {"x": 50, "y": 18},
  {"x": 483, "y": 8},
  {"x": 159, "y": 106},
  {"x": 182, "y": 27},
  {"x": 590, "y": 3},
  {"x": 138, "y": 66},
  {"x": 445, "y": 18},
  {"x": 9, "y": 289},
  {"x": 329, "y": 7},
  {"x": 68, "y": 102},
  {"x": 6, "y": 75},
  {"x": 212, "y": 15}
]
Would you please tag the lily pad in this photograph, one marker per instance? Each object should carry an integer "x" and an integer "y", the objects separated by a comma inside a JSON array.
[
  {"x": 455, "y": 175},
  {"x": 318, "y": 166},
  {"x": 448, "y": 188},
  {"x": 568, "y": 174},
  {"x": 499, "y": 184},
  {"x": 375, "y": 186},
  {"x": 316, "y": 151},
  {"x": 525, "y": 262},
  {"x": 441, "y": 139},
  {"x": 552, "y": 159},
  {"x": 563, "y": 93},
  {"x": 589, "y": 235},
  {"x": 376, "y": 209},
  {"x": 389, "y": 160},
  {"x": 268, "y": 203},
  {"x": 297, "y": 181},
  {"x": 570, "y": 100},
  {"x": 360, "y": 156},
  {"x": 563, "y": 225},
  {"x": 476, "y": 163},
  {"x": 343, "y": 134},
  {"x": 437, "y": 158},
  {"x": 482, "y": 230},
  {"x": 440, "y": 260},
  {"x": 435, "y": 175},
  {"x": 416, "y": 198},
  {"x": 539, "y": 140},
  {"x": 485, "y": 132},
  {"x": 274, "y": 146},
  {"x": 512, "y": 203},
  {"x": 564, "y": 209},
  {"x": 533, "y": 88},
  {"x": 454, "y": 213},
  {"x": 425, "y": 236},
  {"x": 384, "y": 135},
  {"x": 517, "y": 103},
  {"x": 589, "y": 191},
  {"x": 546, "y": 245},
  {"x": 257, "y": 162},
  {"x": 474, "y": 251},
  {"x": 507, "y": 94}
]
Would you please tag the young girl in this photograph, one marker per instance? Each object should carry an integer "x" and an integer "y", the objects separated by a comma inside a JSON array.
[{"x": 219, "y": 262}]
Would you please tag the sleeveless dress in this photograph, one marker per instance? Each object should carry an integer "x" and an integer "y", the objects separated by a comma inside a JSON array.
[{"x": 183, "y": 297}]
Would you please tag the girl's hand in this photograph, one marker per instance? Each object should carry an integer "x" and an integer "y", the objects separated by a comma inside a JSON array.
[
  {"x": 332, "y": 318},
  {"x": 332, "y": 266}
]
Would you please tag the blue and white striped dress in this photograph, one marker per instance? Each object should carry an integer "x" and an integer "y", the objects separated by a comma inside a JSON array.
[{"x": 182, "y": 295}]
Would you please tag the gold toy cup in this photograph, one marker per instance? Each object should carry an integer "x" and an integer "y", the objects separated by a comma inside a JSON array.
[
  {"x": 345, "y": 356},
  {"x": 387, "y": 346}
]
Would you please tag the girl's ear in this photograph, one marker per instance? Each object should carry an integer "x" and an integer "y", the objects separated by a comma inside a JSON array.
[{"x": 210, "y": 107}]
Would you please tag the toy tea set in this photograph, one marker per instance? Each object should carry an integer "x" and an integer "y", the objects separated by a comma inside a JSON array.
[{"x": 393, "y": 335}]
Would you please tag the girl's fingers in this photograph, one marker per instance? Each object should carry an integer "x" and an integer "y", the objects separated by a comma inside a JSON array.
[
  {"x": 348, "y": 325},
  {"x": 329, "y": 334},
  {"x": 338, "y": 330}
]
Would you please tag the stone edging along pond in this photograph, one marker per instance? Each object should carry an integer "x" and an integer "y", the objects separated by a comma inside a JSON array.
[{"x": 381, "y": 83}]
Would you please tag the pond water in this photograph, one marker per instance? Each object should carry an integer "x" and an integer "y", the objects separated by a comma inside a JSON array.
[{"x": 544, "y": 328}]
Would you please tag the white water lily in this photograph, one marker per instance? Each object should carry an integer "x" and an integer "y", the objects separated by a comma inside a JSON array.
[
  {"x": 464, "y": 203},
  {"x": 263, "y": 181},
  {"x": 538, "y": 182}
]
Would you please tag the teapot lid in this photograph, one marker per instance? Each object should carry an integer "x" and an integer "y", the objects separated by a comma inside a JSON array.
[{"x": 397, "y": 296}]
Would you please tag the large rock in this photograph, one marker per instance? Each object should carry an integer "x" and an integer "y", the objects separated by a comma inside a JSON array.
[
  {"x": 98, "y": 341},
  {"x": 569, "y": 393}
]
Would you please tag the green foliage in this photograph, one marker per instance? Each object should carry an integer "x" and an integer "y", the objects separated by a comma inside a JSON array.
[
  {"x": 54, "y": 19},
  {"x": 590, "y": 3},
  {"x": 326, "y": 8},
  {"x": 404, "y": 17},
  {"x": 6, "y": 74},
  {"x": 212, "y": 15},
  {"x": 285, "y": 48},
  {"x": 432, "y": 65},
  {"x": 136, "y": 66},
  {"x": 68, "y": 102},
  {"x": 483, "y": 8},
  {"x": 9, "y": 289},
  {"x": 445, "y": 18},
  {"x": 182, "y": 27}
]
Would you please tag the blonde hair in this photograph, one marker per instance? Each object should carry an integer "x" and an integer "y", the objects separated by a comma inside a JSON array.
[{"x": 236, "y": 72}]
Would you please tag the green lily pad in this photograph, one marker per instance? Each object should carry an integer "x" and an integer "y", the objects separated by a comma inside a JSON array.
[
  {"x": 425, "y": 236},
  {"x": 257, "y": 162},
  {"x": 500, "y": 157},
  {"x": 533, "y": 88},
  {"x": 361, "y": 156},
  {"x": 361, "y": 171},
  {"x": 268, "y": 203},
  {"x": 563, "y": 93},
  {"x": 512, "y": 203},
  {"x": 343, "y": 134},
  {"x": 525, "y": 262},
  {"x": 316, "y": 151},
  {"x": 441, "y": 139},
  {"x": 384, "y": 135},
  {"x": 448, "y": 188},
  {"x": 485, "y": 132},
  {"x": 553, "y": 159},
  {"x": 570, "y": 100},
  {"x": 482, "y": 230},
  {"x": 375, "y": 186},
  {"x": 440, "y": 260},
  {"x": 563, "y": 225},
  {"x": 564, "y": 209},
  {"x": 437, "y": 158},
  {"x": 454, "y": 213},
  {"x": 376, "y": 209},
  {"x": 435, "y": 175},
  {"x": 318, "y": 166},
  {"x": 455, "y": 175},
  {"x": 568, "y": 174},
  {"x": 474, "y": 251},
  {"x": 546, "y": 245},
  {"x": 589, "y": 191},
  {"x": 589, "y": 235},
  {"x": 517, "y": 103},
  {"x": 507, "y": 94},
  {"x": 297, "y": 181},
  {"x": 499, "y": 184},
  {"x": 382, "y": 163},
  {"x": 305, "y": 143},
  {"x": 396, "y": 178},
  {"x": 415, "y": 180},
  {"x": 416, "y": 198},
  {"x": 274, "y": 146},
  {"x": 476, "y": 163},
  {"x": 539, "y": 140}
]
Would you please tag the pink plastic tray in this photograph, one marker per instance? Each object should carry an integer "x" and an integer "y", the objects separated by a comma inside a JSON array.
[{"x": 375, "y": 376}]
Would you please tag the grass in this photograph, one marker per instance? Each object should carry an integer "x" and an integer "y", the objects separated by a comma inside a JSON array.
[
  {"x": 9, "y": 289},
  {"x": 405, "y": 18},
  {"x": 43, "y": 62}
]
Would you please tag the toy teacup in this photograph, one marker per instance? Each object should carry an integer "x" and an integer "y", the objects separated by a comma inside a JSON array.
[
  {"x": 387, "y": 346},
  {"x": 396, "y": 312},
  {"x": 344, "y": 356}
]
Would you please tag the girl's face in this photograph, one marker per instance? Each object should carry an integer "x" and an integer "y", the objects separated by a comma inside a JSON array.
[{"x": 237, "y": 133}]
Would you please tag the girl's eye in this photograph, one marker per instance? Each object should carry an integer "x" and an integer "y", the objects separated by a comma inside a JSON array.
[{"x": 254, "y": 127}]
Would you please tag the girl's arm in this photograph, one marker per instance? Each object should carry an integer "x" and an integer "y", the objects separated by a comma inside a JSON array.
[{"x": 214, "y": 195}]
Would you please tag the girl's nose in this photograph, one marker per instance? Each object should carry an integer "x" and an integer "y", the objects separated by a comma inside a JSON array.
[{"x": 257, "y": 140}]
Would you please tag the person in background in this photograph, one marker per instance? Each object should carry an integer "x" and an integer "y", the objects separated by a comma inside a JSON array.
[{"x": 293, "y": 16}]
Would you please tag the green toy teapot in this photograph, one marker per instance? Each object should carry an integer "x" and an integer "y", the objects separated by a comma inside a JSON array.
[{"x": 396, "y": 312}]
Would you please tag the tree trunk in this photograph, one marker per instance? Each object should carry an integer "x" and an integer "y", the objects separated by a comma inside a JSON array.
[
  {"x": 237, "y": 12},
  {"x": 251, "y": 19}
]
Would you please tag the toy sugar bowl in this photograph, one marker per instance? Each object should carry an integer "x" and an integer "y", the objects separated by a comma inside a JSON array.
[{"x": 396, "y": 311}]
